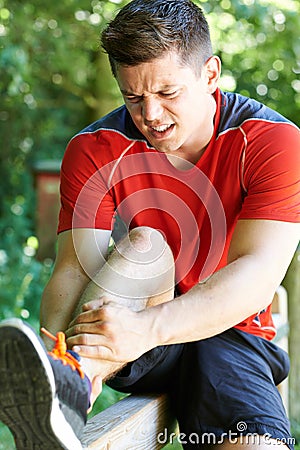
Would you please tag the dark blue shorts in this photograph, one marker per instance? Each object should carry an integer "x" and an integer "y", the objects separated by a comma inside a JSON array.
[{"x": 219, "y": 387}]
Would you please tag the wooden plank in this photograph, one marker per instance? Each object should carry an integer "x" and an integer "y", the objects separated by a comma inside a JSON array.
[
  {"x": 132, "y": 423},
  {"x": 292, "y": 285},
  {"x": 280, "y": 303},
  {"x": 280, "y": 318}
]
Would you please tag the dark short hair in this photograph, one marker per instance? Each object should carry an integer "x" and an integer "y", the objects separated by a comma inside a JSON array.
[{"x": 144, "y": 30}]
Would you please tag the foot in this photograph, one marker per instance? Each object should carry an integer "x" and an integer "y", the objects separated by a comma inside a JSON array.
[{"x": 43, "y": 397}]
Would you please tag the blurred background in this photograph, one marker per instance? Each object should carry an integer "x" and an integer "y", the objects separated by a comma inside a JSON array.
[{"x": 54, "y": 80}]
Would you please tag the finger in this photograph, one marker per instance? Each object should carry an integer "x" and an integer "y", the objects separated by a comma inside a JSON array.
[
  {"x": 89, "y": 328},
  {"x": 90, "y": 316},
  {"x": 94, "y": 351},
  {"x": 86, "y": 339},
  {"x": 77, "y": 319},
  {"x": 79, "y": 328},
  {"x": 93, "y": 304}
]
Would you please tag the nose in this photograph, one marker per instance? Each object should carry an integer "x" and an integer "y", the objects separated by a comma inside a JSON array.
[{"x": 151, "y": 109}]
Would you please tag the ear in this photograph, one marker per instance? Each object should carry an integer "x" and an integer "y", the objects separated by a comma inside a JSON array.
[{"x": 211, "y": 73}]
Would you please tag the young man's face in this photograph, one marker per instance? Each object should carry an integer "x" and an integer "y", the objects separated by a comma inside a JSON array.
[{"x": 170, "y": 105}]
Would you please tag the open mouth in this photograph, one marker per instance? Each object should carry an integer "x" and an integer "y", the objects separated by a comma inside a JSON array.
[{"x": 162, "y": 130}]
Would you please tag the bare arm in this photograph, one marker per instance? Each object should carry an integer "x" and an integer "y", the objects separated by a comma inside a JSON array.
[
  {"x": 80, "y": 254},
  {"x": 259, "y": 255}
]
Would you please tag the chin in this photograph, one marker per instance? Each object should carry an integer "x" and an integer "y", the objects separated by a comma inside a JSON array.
[{"x": 164, "y": 149}]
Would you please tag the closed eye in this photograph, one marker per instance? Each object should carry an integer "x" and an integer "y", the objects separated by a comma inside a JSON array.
[
  {"x": 169, "y": 94},
  {"x": 137, "y": 98},
  {"x": 133, "y": 98}
]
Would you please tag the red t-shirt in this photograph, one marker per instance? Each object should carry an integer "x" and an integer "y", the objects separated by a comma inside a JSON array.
[{"x": 250, "y": 170}]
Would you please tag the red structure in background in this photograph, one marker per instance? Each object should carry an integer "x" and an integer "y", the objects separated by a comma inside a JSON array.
[{"x": 47, "y": 177}]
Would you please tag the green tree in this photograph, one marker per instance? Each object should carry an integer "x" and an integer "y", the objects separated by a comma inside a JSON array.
[
  {"x": 259, "y": 45},
  {"x": 54, "y": 80}
]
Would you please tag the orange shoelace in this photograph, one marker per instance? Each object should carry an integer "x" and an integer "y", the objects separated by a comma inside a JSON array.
[{"x": 59, "y": 351}]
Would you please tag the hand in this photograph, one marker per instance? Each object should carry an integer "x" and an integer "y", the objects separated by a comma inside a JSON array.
[{"x": 108, "y": 331}]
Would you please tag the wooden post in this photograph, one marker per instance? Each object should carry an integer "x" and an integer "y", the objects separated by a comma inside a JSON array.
[
  {"x": 292, "y": 285},
  {"x": 280, "y": 318},
  {"x": 47, "y": 197}
]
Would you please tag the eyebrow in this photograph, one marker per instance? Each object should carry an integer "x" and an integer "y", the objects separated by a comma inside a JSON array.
[
  {"x": 124, "y": 92},
  {"x": 163, "y": 88}
]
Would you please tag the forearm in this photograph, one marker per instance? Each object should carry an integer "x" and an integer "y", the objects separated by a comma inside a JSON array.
[
  {"x": 227, "y": 298},
  {"x": 231, "y": 295},
  {"x": 60, "y": 298},
  {"x": 258, "y": 258}
]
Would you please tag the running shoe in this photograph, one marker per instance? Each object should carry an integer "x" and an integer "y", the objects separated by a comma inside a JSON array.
[{"x": 44, "y": 396}]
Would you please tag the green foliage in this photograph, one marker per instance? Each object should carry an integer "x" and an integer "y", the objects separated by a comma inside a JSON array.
[
  {"x": 48, "y": 56},
  {"x": 295, "y": 425},
  {"x": 54, "y": 81},
  {"x": 108, "y": 397},
  {"x": 48, "y": 90},
  {"x": 259, "y": 45}
]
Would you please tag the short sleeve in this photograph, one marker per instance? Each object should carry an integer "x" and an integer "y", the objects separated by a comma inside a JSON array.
[
  {"x": 271, "y": 172},
  {"x": 86, "y": 201}
]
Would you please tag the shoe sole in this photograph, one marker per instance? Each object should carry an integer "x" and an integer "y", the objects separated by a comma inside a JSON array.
[{"x": 28, "y": 402}]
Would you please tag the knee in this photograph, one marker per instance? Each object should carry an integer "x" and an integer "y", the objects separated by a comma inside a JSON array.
[
  {"x": 146, "y": 241},
  {"x": 146, "y": 237}
]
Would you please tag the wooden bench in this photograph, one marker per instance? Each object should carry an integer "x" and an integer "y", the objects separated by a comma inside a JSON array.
[
  {"x": 132, "y": 423},
  {"x": 140, "y": 422}
]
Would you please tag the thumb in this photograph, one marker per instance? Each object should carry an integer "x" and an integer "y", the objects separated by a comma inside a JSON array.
[{"x": 93, "y": 304}]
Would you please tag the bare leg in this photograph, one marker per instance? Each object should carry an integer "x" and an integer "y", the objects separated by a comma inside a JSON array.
[{"x": 138, "y": 274}]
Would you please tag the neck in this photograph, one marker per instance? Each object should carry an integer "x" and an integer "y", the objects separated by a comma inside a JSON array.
[
  {"x": 185, "y": 160},
  {"x": 191, "y": 154}
]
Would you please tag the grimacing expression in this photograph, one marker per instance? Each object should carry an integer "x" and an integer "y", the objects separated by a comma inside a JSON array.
[{"x": 169, "y": 103}]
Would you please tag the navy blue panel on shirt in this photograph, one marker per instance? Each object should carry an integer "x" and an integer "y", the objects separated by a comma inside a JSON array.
[
  {"x": 236, "y": 108},
  {"x": 118, "y": 120}
]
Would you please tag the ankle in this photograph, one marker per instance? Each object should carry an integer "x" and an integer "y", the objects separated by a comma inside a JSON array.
[{"x": 99, "y": 368}]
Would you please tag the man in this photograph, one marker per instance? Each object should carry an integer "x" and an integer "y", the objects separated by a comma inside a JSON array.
[{"x": 207, "y": 188}]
